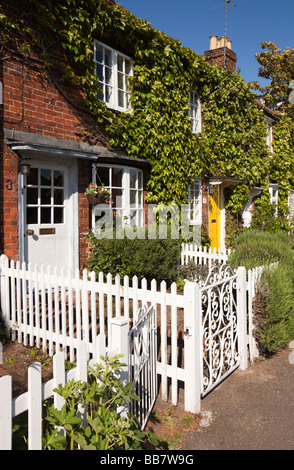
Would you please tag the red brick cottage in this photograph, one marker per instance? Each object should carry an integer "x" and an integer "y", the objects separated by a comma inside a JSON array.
[
  {"x": 47, "y": 163},
  {"x": 51, "y": 149}
]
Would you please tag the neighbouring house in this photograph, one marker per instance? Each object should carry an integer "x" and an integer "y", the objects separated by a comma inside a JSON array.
[{"x": 52, "y": 148}]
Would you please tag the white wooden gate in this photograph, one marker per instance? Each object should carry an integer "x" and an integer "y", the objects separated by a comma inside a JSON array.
[
  {"x": 142, "y": 363},
  {"x": 219, "y": 327}
]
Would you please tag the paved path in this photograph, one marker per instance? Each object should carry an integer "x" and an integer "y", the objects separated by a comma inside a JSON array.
[{"x": 250, "y": 410}]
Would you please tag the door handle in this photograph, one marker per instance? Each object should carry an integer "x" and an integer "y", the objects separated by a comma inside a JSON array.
[{"x": 30, "y": 232}]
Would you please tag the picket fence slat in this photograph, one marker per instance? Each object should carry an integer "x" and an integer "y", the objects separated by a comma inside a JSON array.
[
  {"x": 202, "y": 255},
  {"x": 5, "y": 413}
]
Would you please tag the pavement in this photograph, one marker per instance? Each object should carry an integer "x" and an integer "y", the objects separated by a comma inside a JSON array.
[{"x": 251, "y": 410}]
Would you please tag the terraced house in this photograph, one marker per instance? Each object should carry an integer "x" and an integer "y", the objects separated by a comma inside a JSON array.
[{"x": 92, "y": 94}]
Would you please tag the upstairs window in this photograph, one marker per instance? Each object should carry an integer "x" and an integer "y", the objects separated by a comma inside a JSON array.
[
  {"x": 291, "y": 205},
  {"x": 269, "y": 138},
  {"x": 195, "y": 202},
  {"x": 274, "y": 195},
  {"x": 113, "y": 70},
  {"x": 195, "y": 112}
]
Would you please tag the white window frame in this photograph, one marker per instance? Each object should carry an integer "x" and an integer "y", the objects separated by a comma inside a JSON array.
[
  {"x": 291, "y": 205},
  {"x": 126, "y": 209},
  {"x": 195, "y": 112},
  {"x": 119, "y": 89},
  {"x": 274, "y": 195},
  {"x": 195, "y": 202},
  {"x": 270, "y": 135}
]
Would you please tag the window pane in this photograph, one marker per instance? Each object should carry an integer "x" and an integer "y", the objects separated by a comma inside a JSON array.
[
  {"x": 32, "y": 178},
  {"x": 117, "y": 197},
  {"x": 45, "y": 177},
  {"x": 58, "y": 215},
  {"x": 99, "y": 53},
  {"x": 108, "y": 94},
  {"x": 45, "y": 215},
  {"x": 103, "y": 175},
  {"x": 128, "y": 66},
  {"x": 133, "y": 198},
  {"x": 32, "y": 195},
  {"x": 99, "y": 72},
  {"x": 58, "y": 178},
  {"x": 120, "y": 80},
  {"x": 117, "y": 177},
  {"x": 108, "y": 75},
  {"x": 108, "y": 57},
  {"x": 120, "y": 63},
  {"x": 45, "y": 196},
  {"x": 120, "y": 98},
  {"x": 58, "y": 197},
  {"x": 32, "y": 215},
  {"x": 133, "y": 178}
]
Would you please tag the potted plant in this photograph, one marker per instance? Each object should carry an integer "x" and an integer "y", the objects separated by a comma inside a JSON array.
[{"x": 98, "y": 194}]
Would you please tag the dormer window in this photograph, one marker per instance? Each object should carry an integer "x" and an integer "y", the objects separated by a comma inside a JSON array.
[
  {"x": 113, "y": 70},
  {"x": 195, "y": 112}
]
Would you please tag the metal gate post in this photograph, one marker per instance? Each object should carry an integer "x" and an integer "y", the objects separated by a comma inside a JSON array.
[
  {"x": 242, "y": 317},
  {"x": 193, "y": 347}
]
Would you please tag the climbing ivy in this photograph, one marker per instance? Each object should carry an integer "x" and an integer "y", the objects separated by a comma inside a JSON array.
[{"x": 233, "y": 140}]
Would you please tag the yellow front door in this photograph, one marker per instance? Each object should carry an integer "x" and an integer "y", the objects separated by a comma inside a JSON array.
[{"x": 214, "y": 216}]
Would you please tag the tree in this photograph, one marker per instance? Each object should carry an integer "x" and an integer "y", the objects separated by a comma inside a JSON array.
[{"x": 277, "y": 66}]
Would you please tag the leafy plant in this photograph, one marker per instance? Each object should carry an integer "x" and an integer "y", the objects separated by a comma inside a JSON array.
[
  {"x": 146, "y": 258},
  {"x": 94, "y": 190},
  {"x": 273, "y": 304},
  {"x": 89, "y": 419}
]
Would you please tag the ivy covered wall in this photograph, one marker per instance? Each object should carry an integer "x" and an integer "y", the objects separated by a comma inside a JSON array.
[{"x": 233, "y": 138}]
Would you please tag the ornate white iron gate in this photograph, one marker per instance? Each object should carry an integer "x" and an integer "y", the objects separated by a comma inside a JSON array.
[
  {"x": 219, "y": 327},
  {"x": 142, "y": 363}
]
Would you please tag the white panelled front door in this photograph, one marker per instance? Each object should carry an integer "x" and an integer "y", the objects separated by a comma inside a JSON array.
[{"x": 46, "y": 215}]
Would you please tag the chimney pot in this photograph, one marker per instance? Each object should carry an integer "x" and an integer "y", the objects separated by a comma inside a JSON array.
[
  {"x": 219, "y": 54},
  {"x": 213, "y": 41}
]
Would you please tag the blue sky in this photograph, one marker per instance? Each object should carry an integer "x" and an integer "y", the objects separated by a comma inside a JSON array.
[{"x": 249, "y": 23}]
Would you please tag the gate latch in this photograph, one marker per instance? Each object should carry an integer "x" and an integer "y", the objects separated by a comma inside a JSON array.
[{"x": 188, "y": 331}]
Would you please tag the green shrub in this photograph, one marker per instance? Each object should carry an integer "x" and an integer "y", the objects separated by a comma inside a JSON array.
[
  {"x": 276, "y": 288},
  {"x": 277, "y": 328},
  {"x": 253, "y": 248},
  {"x": 142, "y": 257}
]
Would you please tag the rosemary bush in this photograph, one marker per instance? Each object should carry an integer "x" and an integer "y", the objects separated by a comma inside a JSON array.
[{"x": 274, "y": 302}]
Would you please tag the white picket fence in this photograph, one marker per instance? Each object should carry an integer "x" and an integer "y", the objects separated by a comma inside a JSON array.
[
  {"x": 56, "y": 310},
  {"x": 203, "y": 256}
]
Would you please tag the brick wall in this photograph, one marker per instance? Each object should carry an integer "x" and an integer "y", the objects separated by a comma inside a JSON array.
[
  {"x": 216, "y": 57},
  {"x": 36, "y": 106}
]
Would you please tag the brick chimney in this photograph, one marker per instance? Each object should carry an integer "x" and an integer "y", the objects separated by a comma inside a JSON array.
[{"x": 220, "y": 53}]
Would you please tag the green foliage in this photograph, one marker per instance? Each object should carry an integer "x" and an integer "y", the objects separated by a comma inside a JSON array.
[
  {"x": 277, "y": 66},
  {"x": 254, "y": 248},
  {"x": 146, "y": 258},
  {"x": 89, "y": 417},
  {"x": 276, "y": 288},
  {"x": 233, "y": 141},
  {"x": 277, "y": 285}
]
